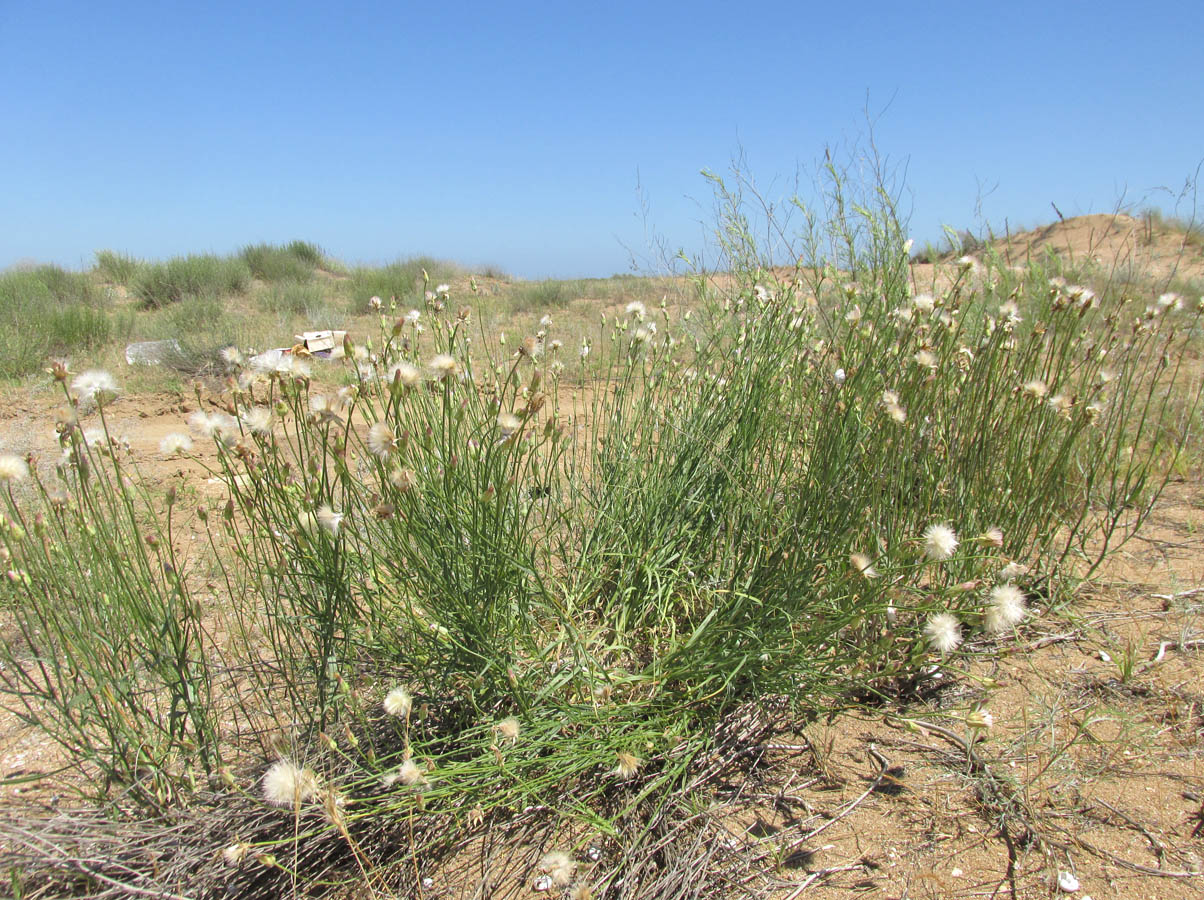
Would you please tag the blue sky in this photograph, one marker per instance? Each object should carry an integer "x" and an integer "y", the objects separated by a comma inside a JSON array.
[{"x": 516, "y": 133}]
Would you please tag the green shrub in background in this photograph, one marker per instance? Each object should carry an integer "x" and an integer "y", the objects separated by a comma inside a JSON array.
[
  {"x": 196, "y": 275},
  {"x": 117, "y": 268},
  {"x": 294, "y": 262},
  {"x": 48, "y": 311}
]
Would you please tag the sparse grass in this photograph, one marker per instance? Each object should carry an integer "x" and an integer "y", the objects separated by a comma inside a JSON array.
[
  {"x": 1155, "y": 221},
  {"x": 197, "y": 275},
  {"x": 297, "y": 298},
  {"x": 117, "y": 268}
]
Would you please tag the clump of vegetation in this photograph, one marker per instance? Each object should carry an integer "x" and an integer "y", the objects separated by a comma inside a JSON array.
[
  {"x": 196, "y": 275},
  {"x": 451, "y": 596},
  {"x": 48, "y": 311},
  {"x": 294, "y": 262},
  {"x": 117, "y": 268},
  {"x": 406, "y": 281}
]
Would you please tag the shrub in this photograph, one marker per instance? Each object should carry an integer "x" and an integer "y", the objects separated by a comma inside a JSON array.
[
  {"x": 117, "y": 268},
  {"x": 48, "y": 311},
  {"x": 295, "y": 262},
  {"x": 159, "y": 284},
  {"x": 403, "y": 280},
  {"x": 459, "y": 594}
]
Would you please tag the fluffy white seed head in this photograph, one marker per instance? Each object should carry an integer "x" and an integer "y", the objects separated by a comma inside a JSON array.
[
  {"x": 94, "y": 388},
  {"x": 329, "y": 519},
  {"x": 286, "y": 784},
  {"x": 398, "y": 702},
  {"x": 13, "y": 468},
  {"x": 403, "y": 375},
  {"x": 508, "y": 729},
  {"x": 944, "y": 633},
  {"x": 175, "y": 443},
  {"x": 1006, "y": 608},
  {"x": 381, "y": 440},
  {"x": 939, "y": 542},
  {"x": 559, "y": 866},
  {"x": 863, "y": 565}
]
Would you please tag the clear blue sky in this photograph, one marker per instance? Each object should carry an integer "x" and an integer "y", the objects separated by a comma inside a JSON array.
[{"x": 512, "y": 133}]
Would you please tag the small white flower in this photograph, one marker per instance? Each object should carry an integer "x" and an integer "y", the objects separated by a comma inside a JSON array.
[
  {"x": 442, "y": 290},
  {"x": 944, "y": 633},
  {"x": 374, "y": 303},
  {"x": 939, "y": 542},
  {"x": 839, "y": 377},
  {"x": 413, "y": 316}
]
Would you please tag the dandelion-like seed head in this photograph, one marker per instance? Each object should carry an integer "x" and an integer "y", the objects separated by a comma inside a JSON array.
[
  {"x": 863, "y": 565},
  {"x": 381, "y": 440},
  {"x": 259, "y": 419},
  {"x": 559, "y": 866},
  {"x": 1037, "y": 389},
  {"x": 94, "y": 388},
  {"x": 939, "y": 542},
  {"x": 1170, "y": 301},
  {"x": 508, "y": 424},
  {"x": 398, "y": 702},
  {"x": 993, "y": 537},
  {"x": 923, "y": 303},
  {"x": 628, "y": 765},
  {"x": 13, "y": 468},
  {"x": 1006, "y": 608},
  {"x": 508, "y": 729},
  {"x": 235, "y": 853},
  {"x": 330, "y": 520},
  {"x": 233, "y": 357},
  {"x": 944, "y": 633},
  {"x": 286, "y": 784},
  {"x": 403, "y": 374},
  {"x": 925, "y": 359},
  {"x": 175, "y": 443},
  {"x": 410, "y": 774},
  {"x": 637, "y": 309},
  {"x": 1061, "y": 404},
  {"x": 442, "y": 366},
  {"x": 213, "y": 424},
  {"x": 403, "y": 479},
  {"x": 413, "y": 316}
]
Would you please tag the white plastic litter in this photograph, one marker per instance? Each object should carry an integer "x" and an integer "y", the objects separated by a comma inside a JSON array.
[
  {"x": 152, "y": 353},
  {"x": 1067, "y": 882}
]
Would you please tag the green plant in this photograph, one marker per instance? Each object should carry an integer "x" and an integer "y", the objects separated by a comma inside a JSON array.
[
  {"x": 293, "y": 298},
  {"x": 117, "y": 268},
  {"x": 48, "y": 311},
  {"x": 292, "y": 263},
  {"x": 455, "y": 590},
  {"x": 405, "y": 281},
  {"x": 197, "y": 275}
]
